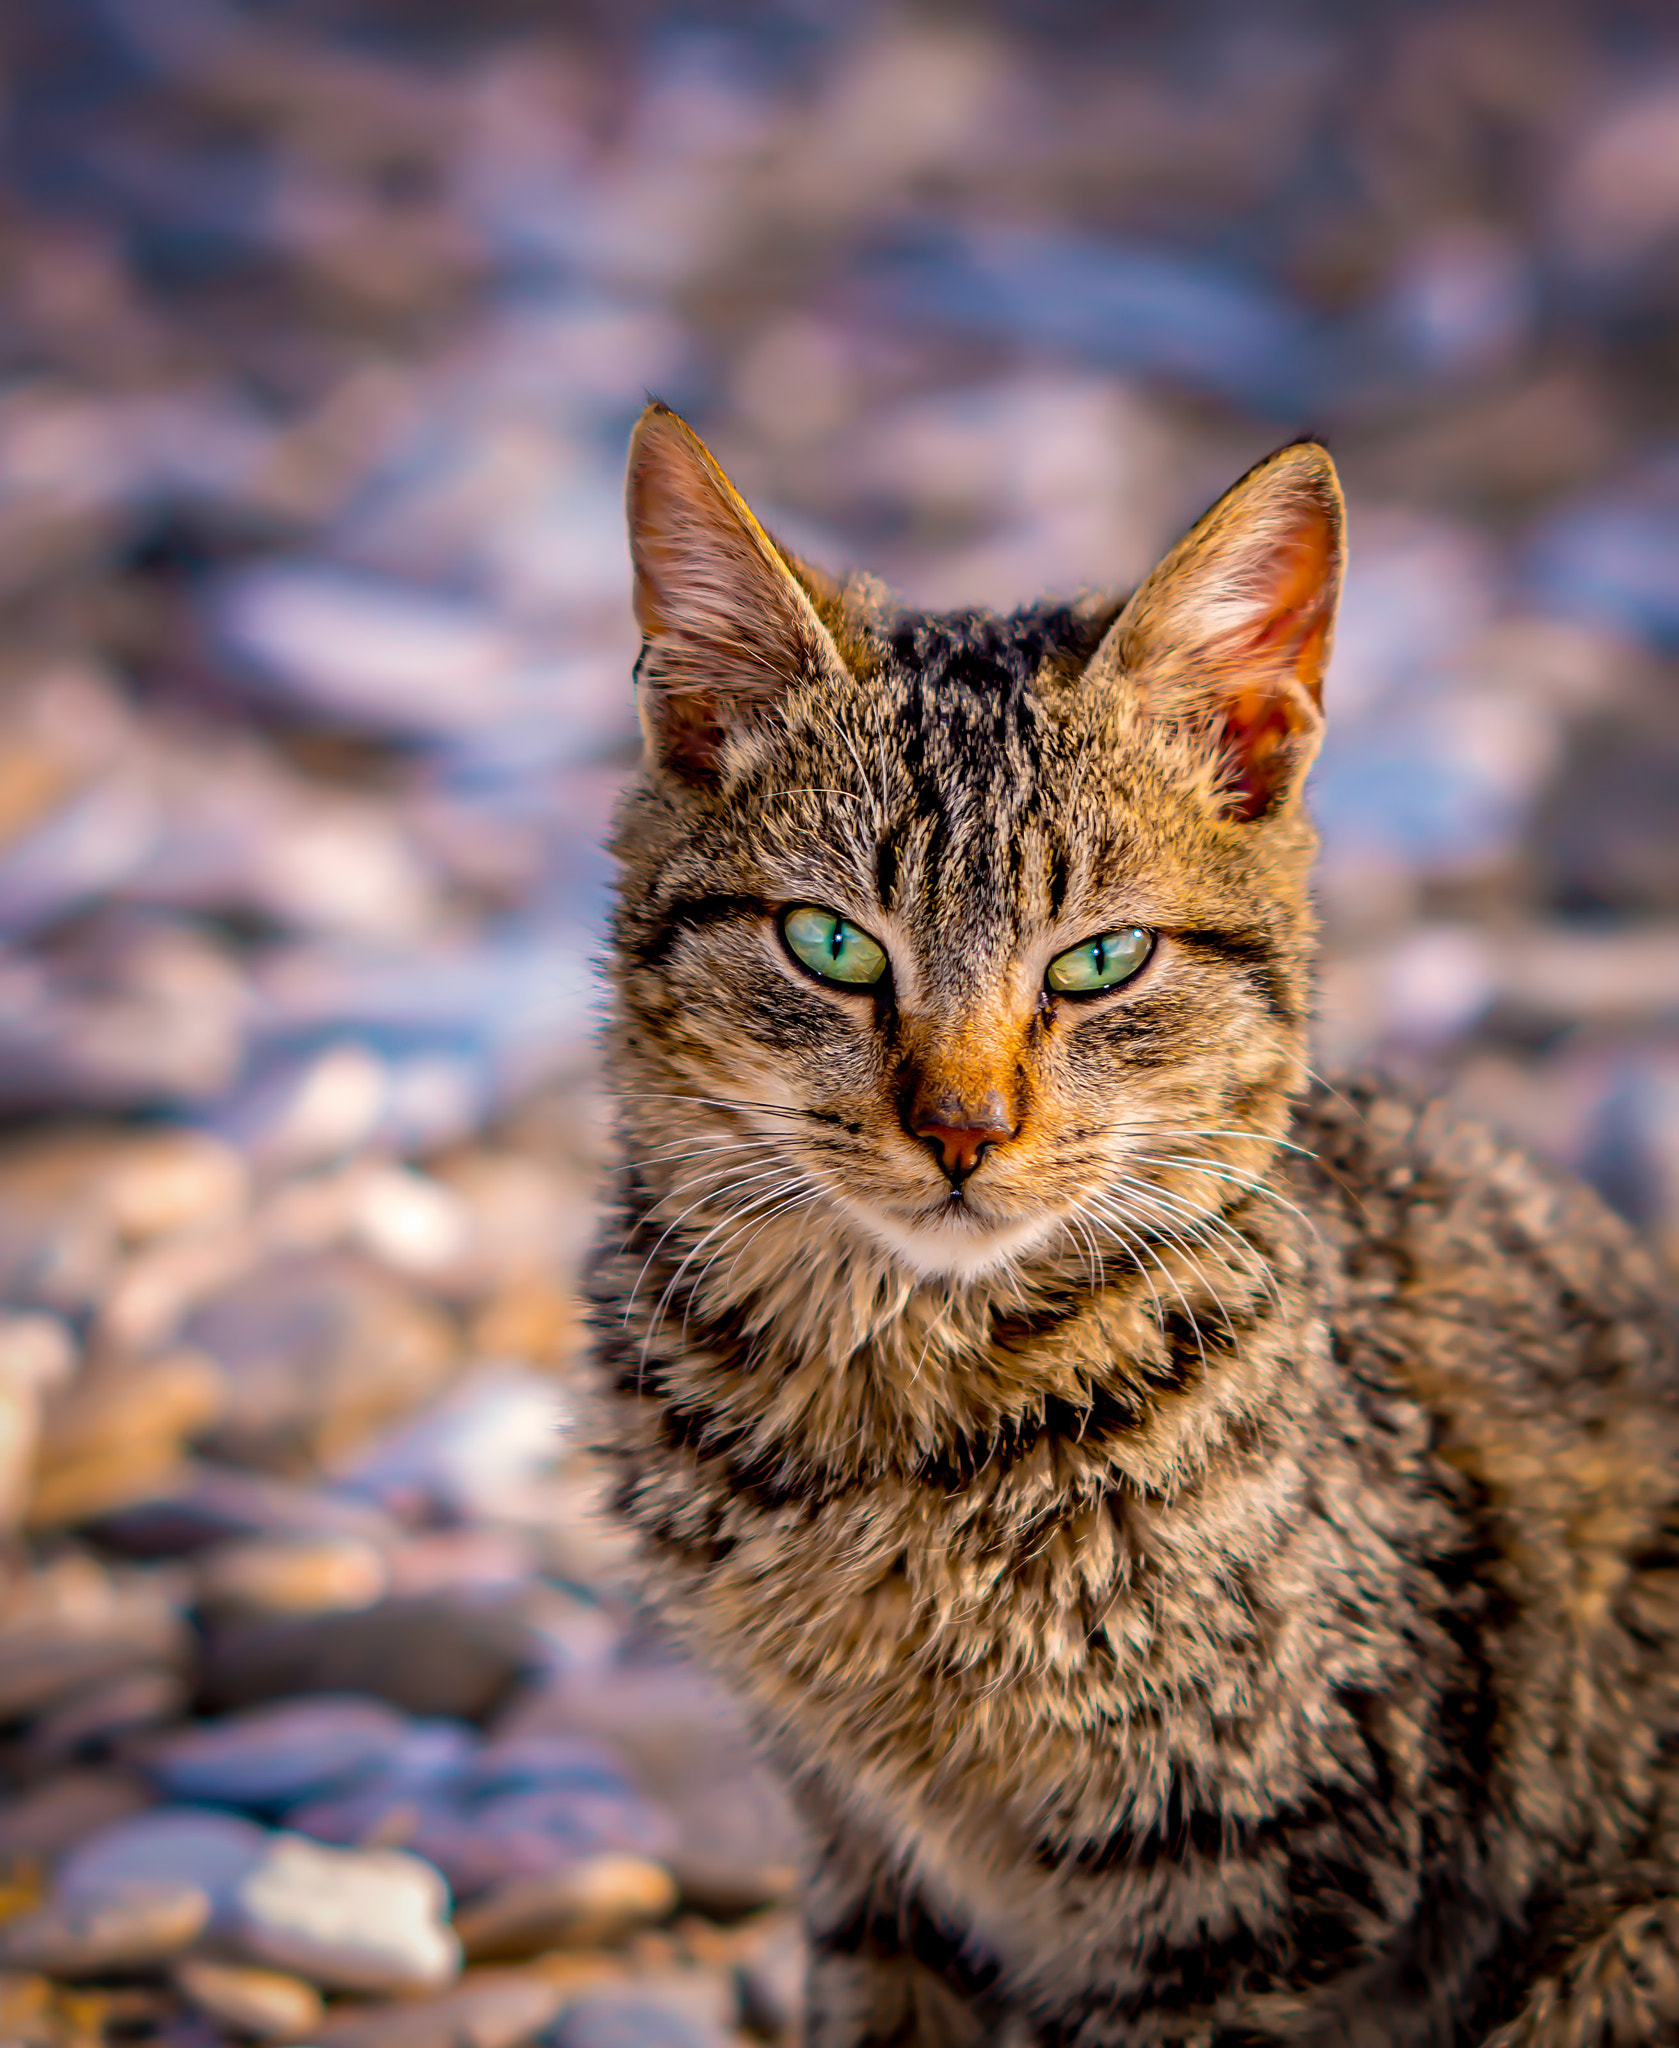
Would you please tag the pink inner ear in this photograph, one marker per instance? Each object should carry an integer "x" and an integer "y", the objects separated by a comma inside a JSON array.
[
  {"x": 1293, "y": 627},
  {"x": 1274, "y": 672}
]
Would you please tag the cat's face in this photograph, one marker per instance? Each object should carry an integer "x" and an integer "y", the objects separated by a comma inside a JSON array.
[{"x": 968, "y": 934}]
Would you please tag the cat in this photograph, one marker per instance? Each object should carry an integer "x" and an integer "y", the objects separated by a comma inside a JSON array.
[{"x": 1202, "y": 1546}]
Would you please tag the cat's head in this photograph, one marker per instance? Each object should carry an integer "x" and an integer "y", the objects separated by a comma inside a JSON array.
[{"x": 970, "y": 933}]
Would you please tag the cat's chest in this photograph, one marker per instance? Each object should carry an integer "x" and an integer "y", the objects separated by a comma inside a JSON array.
[{"x": 1025, "y": 1645}]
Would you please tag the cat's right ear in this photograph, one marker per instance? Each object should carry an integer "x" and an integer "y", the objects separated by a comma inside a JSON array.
[
  {"x": 726, "y": 627},
  {"x": 1229, "y": 638}
]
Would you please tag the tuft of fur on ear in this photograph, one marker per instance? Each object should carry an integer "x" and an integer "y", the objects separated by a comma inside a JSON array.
[
  {"x": 1229, "y": 637},
  {"x": 726, "y": 627}
]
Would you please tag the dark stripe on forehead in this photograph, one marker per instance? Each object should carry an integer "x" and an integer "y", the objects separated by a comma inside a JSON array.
[
  {"x": 886, "y": 868},
  {"x": 1057, "y": 881}
]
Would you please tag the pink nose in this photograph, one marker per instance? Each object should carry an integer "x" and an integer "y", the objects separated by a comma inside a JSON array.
[{"x": 958, "y": 1133}]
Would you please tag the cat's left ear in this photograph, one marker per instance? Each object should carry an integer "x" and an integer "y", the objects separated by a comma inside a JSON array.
[
  {"x": 1230, "y": 636},
  {"x": 726, "y": 626}
]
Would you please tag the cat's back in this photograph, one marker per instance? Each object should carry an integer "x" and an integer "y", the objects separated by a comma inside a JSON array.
[
  {"x": 1492, "y": 1280},
  {"x": 1539, "y": 1339}
]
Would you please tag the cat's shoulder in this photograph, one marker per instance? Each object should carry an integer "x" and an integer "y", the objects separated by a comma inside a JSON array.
[{"x": 1468, "y": 1254}]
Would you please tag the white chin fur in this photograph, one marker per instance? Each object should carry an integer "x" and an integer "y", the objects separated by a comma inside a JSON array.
[{"x": 958, "y": 1248}]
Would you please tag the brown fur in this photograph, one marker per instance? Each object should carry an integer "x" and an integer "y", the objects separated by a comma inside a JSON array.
[{"x": 1211, "y": 1577}]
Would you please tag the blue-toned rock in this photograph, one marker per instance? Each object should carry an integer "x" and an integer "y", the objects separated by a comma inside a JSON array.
[{"x": 271, "y": 1757}]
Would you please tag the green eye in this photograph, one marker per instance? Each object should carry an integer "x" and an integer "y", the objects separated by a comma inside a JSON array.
[
  {"x": 833, "y": 947},
  {"x": 1102, "y": 962}
]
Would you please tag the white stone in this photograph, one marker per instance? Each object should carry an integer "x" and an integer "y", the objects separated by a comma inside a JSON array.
[{"x": 368, "y": 1920}]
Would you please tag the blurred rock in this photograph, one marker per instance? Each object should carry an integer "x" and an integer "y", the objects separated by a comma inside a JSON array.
[
  {"x": 429, "y": 1655},
  {"x": 107, "y": 1713},
  {"x": 738, "y": 1844},
  {"x": 37, "y": 1825},
  {"x": 119, "y": 1433},
  {"x": 130, "y": 1927},
  {"x": 489, "y": 2009},
  {"x": 209, "y": 1504},
  {"x": 590, "y": 1904},
  {"x": 266, "y": 2004},
  {"x": 191, "y": 1846},
  {"x": 484, "y": 1819},
  {"x": 173, "y": 1180},
  {"x": 366, "y": 650},
  {"x": 122, "y": 1010},
  {"x": 637, "y": 2018},
  {"x": 317, "y": 1355},
  {"x": 445, "y": 1560},
  {"x": 479, "y": 1843},
  {"x": 473, "y": 1454},
  {"x": 385, "y": 1805},
  {"x": 37, "y": 1355},
  {"x": 532, "y": 1320},
  {"x": 1602, "y": 840},
  {"x": 1605, "y": 558},
  {"x": 58, "y": 1243},
  {"x": 26, "y": 2014},
  {"x": 74, "y": 1625},
  {"x": 328, "y": 1574},
  {"x": 159, "y": 1283},
  {"x": 268, "y": 1758},
  {"x": 369, "y": 1920},
  {"x": 409, "y": 1221}
]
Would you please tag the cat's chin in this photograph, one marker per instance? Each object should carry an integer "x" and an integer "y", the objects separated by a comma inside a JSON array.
[{"x": 954, "y": 1242}]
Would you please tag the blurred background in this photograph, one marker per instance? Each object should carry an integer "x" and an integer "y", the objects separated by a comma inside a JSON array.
[{"x": 322, "y": 325}]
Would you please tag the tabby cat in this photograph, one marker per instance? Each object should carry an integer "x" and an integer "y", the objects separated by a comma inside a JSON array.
[{"x": 1204, "y": 1550}]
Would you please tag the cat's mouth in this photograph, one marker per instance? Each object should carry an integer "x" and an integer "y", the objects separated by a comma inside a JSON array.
[{"x": 954, "y": 1237}]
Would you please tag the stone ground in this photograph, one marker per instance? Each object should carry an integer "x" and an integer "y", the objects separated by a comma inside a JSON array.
[{"x": 321, "y": 328}]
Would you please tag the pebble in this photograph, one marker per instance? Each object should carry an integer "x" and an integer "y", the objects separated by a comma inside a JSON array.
[
  {"x": 318, "y": 1353},
  {"x": 212, "y": 1503},
  {"x": 593, "y": 1903},
  {"x": 303, "y": 1575},
  {"x": 368, "y": 1920},
  {"x": 173, "y": 1180},
  {"x": 40, "y": 1822},
  {"x": 127, "y": 1926},
  {"x": 386, "y": 1807},
  {"x": 107, "y": 1712},
  {"x": 271, "y": 1757},
  {"x": 37, "y": 1355},
  {"x": 474, "y": 1454},
  {"x": 177, "y": 1395},
  {"x": 74, "y": 1624},
  {"x": 57, "y": 1248},
  {"x": 488, "y": 2009},
  {"x": 365, "y": 650},
  {"x": 528, "y": 1763},
  {"x": 446, "y": 1560},
  {"x": 631, "y": 2019},
  {"x": 212, "y": 1852},
  {"x": 738, "y": 1845},
  {"x": 268, "y": 2004},
  {"x": 429, "y": 1655},
  {"x": 26, "y": 2001},
  {"x": 480, "y": 1842},
  {"x": 118, "y": 1433}
]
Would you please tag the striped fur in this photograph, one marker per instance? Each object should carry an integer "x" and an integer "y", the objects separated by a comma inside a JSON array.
[{"x": 1221, "y": 1585}]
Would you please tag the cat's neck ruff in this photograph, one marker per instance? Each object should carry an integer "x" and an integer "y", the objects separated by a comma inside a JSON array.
[{"x": 825, "y": 1345}]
